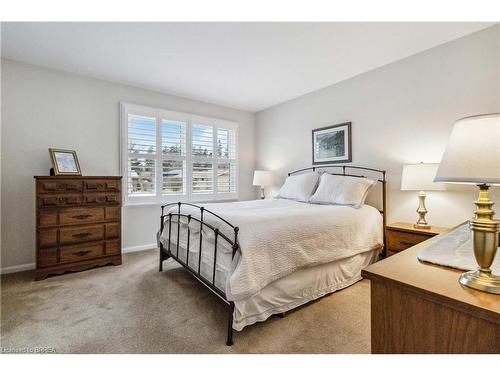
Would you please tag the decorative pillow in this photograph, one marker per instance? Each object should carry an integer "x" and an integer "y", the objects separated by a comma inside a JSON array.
[
  {"x": 299, "y": 187},
  {"x": 345, "y": 190}
]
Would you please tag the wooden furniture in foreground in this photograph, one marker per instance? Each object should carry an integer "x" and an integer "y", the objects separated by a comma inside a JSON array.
[
  {"x": 78, "y": 223},
  {"x": 401, "y": 236},
  {"x": 422, "y": 308}
]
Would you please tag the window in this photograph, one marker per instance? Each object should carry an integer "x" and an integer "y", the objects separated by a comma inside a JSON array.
[{"x": 169, "y": 156}]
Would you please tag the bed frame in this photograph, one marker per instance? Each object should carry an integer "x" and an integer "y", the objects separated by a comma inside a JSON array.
[{"x": 172, "y": 250}]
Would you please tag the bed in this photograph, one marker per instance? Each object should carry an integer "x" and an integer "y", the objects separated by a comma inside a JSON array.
[{"x": 266, "y": 257}]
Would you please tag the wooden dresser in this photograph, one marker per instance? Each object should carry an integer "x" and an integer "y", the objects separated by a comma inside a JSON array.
[
  {"x": 422, "y": 308},
  {"x": 78, "y": 223},
  {"x": 401, "y": 236}
]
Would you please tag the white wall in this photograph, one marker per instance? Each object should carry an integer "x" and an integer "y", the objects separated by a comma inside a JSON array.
[
  {"x": 401, "y": 113},
  {"x": 44, "y": 108}
]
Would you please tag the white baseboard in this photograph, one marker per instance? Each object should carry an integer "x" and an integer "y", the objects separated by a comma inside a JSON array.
[
  {"x": 19, "y": 268},
  {"x": 132, "y": 249},
  {"x": 31, "y": 266}
]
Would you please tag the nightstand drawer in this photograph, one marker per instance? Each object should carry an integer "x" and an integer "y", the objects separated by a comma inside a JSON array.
[{"x": 398, "y": 241}]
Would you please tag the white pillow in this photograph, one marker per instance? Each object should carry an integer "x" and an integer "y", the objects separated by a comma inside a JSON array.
[
  {"x": 299, "y": 187},
  {"x": 345, "y": 190}
]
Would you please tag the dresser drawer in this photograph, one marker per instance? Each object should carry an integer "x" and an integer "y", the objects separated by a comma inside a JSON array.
[
  {"x": 102, "y": 185},
  {"x": 113, "y": 247},
  {"x": 59, "y": 186},
  {"x": 80, "y": 252},
  {"x": 81, "y": 215},
  {"x": 47, "y": 257},
  {"x": 47, "y": 237},
  {"x": 71, "y": 235},
  {"x": 47, "y": 218},
  {"x": 112, "y": 230},
  {"x": 398, "y": 241},
  {"x": 102, "y": 198},
  {"x": 113, "y": 213},
  {"x": 59, "y": 200}
]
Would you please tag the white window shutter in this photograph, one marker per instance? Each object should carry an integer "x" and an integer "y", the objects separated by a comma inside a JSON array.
[
  {"x": 169, "y": 156},
  {"x": 141, "y": 159},
  {"x": 173, "y": 144}
]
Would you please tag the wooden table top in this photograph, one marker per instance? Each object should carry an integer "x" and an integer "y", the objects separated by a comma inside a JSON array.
[
  {"x": 439, "y": 283},
  {"x": 407, "y": 227}
]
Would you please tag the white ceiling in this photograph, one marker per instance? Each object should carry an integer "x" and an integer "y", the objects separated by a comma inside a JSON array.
[{"x": 249, "y": 66}]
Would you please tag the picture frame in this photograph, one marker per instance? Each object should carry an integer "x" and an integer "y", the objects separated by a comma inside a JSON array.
[
  {"x": 64, "y": 162},
  {"x": 332, "y": 144}
]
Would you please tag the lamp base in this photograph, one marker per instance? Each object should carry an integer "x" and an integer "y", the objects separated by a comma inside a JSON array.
[
  {"x": 480, "y": 280},
  {"x": 421, "y": 226},
  {"x": 485, "y": 243},
  {"x": 422, "y": 211}
]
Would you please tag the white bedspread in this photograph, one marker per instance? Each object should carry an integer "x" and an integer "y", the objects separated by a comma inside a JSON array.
[{"x": 278, "y": 237}]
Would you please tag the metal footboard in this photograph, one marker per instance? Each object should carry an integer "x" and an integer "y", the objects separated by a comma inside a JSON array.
[{"x": 173, "y": 251}]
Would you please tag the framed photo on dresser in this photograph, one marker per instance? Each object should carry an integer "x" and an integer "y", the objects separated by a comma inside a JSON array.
[
  {"x": 64, "y": 162},
  {"x": 332, "y": 144}
]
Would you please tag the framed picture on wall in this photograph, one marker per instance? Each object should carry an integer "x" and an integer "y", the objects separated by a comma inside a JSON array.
[
  {"x": 332, "y": 144},
  {"x": 64, "y": 162}
]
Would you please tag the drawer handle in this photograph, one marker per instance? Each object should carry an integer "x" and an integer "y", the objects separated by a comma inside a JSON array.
[
  {"x": 406, "y": 243},
  {"x": 82, "y": 235},
  {"x": 82, "y": 253},
  {"x": 81, "y": 217}
]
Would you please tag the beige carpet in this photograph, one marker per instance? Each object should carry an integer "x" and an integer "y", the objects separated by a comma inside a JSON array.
[{"x": 135, "y": 309}]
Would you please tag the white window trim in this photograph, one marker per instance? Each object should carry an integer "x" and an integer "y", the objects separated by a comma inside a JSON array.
[{"x": 158, "y": 198}]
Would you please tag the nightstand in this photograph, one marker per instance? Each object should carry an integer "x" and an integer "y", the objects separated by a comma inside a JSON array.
[{"x": 401, "y": 236}]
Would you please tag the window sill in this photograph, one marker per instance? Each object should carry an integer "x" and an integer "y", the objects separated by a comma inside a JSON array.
[{"x": 158, "y": 204}]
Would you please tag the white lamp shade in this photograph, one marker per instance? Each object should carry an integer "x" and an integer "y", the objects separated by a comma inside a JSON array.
[
  {"x": 472, "y": 154},
  {"x": 261, "y": 178},
  {"x": 420, "y": 177}
]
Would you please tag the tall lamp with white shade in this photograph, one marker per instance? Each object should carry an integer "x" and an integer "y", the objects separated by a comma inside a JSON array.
[
  {"x": 420, "y": 177},
  {"x": 262, "y": 179},
  {"x": 472, "y": 156}
]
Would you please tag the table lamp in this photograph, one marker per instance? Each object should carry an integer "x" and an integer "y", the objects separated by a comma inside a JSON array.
[
  {"x": 420, "y": 177},
  {"x": 261, "y": 178},
  {"x": 472, "y": 156}
]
